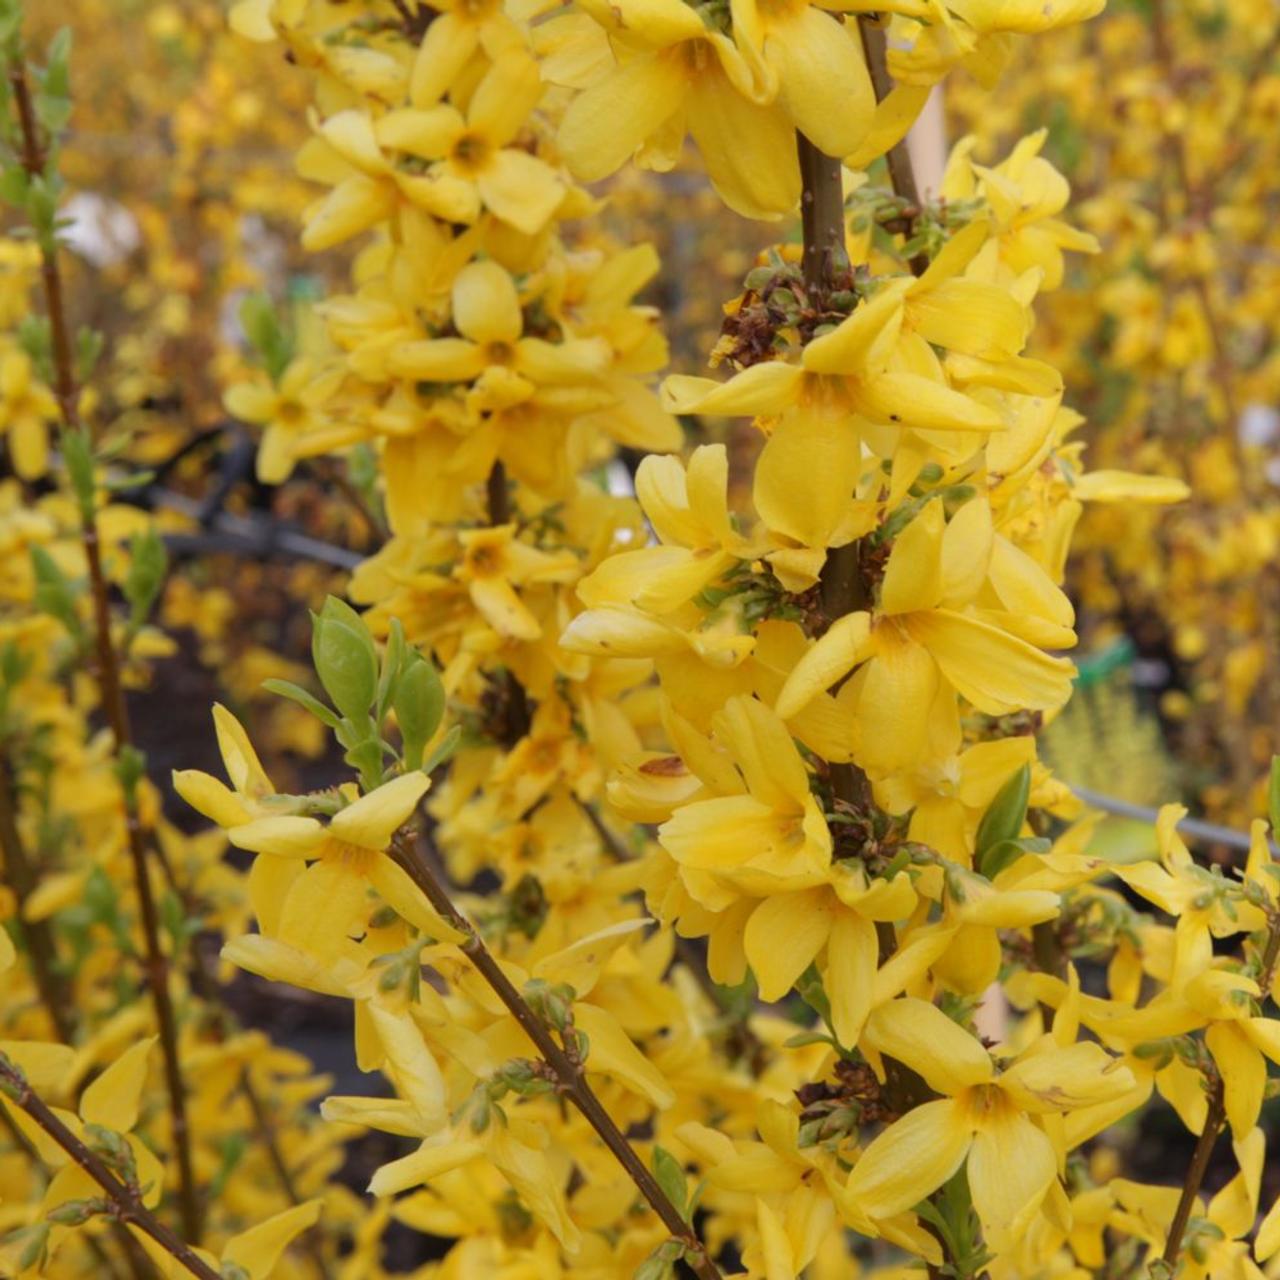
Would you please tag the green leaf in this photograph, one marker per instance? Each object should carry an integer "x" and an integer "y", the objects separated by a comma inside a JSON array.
[
  {"x": 392, "y": 662},
  {"x": 266, "y": 334},
  {"x": 148, "y": 565},
  {"x": 295, "y": 693},
  {"x": 1007, "y": 852},
  {"x": 1005, "y": 815},
  {"x": 443, "y": 750},
  {"x": 345, "y": 658},
  {"x": 77, "y": 452},
  {"x": 671, "y": 1178},
  {"x": 366, "y": 757},
  {"x": 803, "y": 1039},
  {"x": 14, "y": 184},
  {"x": 131, "y": 768},
  {"x": 54, "y": 593},
  {"x": 89, "y": 344},
  {"x": 57, "y": 74},
  {"x": 419, "y": 706}
]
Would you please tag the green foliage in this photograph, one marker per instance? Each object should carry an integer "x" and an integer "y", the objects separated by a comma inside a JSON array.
[{"x": 266, "y": 334}]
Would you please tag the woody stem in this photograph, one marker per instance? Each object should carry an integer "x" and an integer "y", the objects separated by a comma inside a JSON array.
[
  {"x": 822, "y": 222},
  {"x": 569, "y": 1075},
  {"x": 35, "y": 159},
  {"x": 126, "y": 1203},
  {"x": 1213, "y": 1122}
]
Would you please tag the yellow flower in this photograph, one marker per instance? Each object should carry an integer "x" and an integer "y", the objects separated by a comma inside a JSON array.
[
  {"x": 113, "y": 1101},
  {"x": 793, "y": 1187},
  {"x": 674, "y": 72},
  {"x": 471, "y": 161},
  {"x": 920, "y": 647},
  {"x": 984, "y": 1117},
  {"x": 27, "y": 407},
  {"x": 947, "y": 798},
  {"x": 1024, "y": 192},
  {"x": 492, "y": 347},
  {"x": 1213, "y": 1245},
  {"x": 291, "y": 413},
  {"x": 851, "y": 373},
  {"x": 494, "y": 562},
  {"x": 689, "y": 512},
  {"x": 251, "y": 790},
  {"x": 1202, "y": 903},
  {"x": 761, "y": 831},
  {"x": 317, "y": 907}
]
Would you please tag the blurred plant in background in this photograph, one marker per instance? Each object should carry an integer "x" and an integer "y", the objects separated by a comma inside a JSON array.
[{"x": 1162, "y": 116}]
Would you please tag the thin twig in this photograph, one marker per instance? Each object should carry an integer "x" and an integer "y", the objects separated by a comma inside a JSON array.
[
  {"x": 901, "y": 174},
  {"x": 570, "y": 1076},
  {"x": 67, "y": 393},
  {"x": 126, "y": 1202},
  {"x": 1195, "y": 1171},
  {"x": 328, "y": 472}
]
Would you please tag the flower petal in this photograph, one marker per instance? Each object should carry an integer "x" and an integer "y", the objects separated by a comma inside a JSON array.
[
  {"x": 920, "y": 1035},
  {"x": 375, "y": 817},
  {"x": 911, "y": 1159}
]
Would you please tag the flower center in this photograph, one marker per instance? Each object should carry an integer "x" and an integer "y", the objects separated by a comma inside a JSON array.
[
  {"x": 483, "y": 560},
  {"x": 355, "y": 856},
  {"x": 471, "y": 153}
]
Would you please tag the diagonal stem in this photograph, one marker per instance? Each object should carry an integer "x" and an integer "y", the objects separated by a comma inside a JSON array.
[
  {"x": 126, "y": 1203},
  {"x": 901, "y": 174},
  {"x": 569, "y": 1074},
  {"x": 1213, "y": 1122}
]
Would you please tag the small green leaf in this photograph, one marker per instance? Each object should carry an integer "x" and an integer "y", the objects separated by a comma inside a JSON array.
[
  {"x": 148, "y": 565},
  {"x": 77, "y": 452},
  {"x": 419, "y": 706},
  {"x": 671, "y": 1178},
  {"x": 392, "y": 663},
  {"x": 345, "y": 658},
  {"x": 54, "y": 592},
  {"x": 89, "y": 344},
  {"x": 266, "y": 334},
  {"x": 1005, "y": 815},
  {"x": 131, "y": 768},
  {"x": 1007, "y": 852},
  {"x": 443, "y": 750},
  {"x": 295, "y": 693}
]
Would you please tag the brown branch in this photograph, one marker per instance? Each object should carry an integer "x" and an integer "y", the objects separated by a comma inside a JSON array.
[
  {"x": 821, "y": 214},
  {"x": 125, "y": 1201},
  {"x": 329, "y": 472},
  {"x": 1195, "y": 1171},
  {"x": 842, "y": 588},
  {"x": 67, "y": 392},
  {"x": 570, "y": 1075},
  {"x": 901, "y": 174}
]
